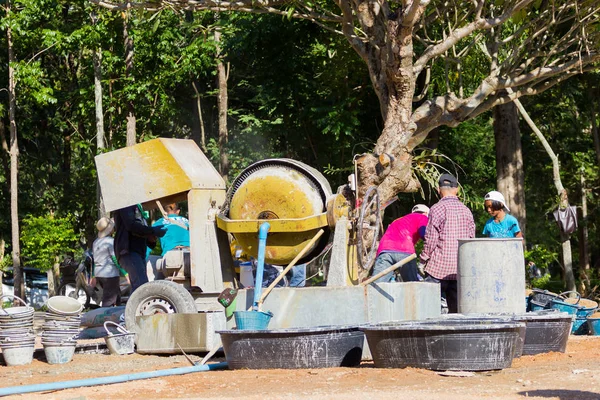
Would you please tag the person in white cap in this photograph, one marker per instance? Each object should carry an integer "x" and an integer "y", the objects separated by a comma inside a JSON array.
[
  {"x": 106, "y": 270},
  {"x": 398, "y": 242},
  {"x": 502, "y": 224}
]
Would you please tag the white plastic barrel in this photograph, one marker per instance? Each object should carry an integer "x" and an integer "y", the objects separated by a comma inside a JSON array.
[{"x": 491, "y": 276}]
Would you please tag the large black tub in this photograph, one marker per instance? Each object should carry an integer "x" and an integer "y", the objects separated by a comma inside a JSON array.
[
  {"x": 315, "y": 347},
  {"x": 486, "y": 319},
  {"x": 444, "y": 344},
  {"x": 544, "y": 331},
  {"x": 547, "y": 331}
]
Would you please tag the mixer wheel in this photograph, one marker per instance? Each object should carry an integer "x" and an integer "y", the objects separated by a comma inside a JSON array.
[
  {"x": 368, "y": 228},
  {"x": 158, "y": 297}
]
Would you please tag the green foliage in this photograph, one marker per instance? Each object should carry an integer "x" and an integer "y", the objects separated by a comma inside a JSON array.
[
  {"x": 45, "y": 238},
  {"x": 546, "y": 283},
  {"x": 541, "y": 256},
  {"x": 542, "y": 282}
]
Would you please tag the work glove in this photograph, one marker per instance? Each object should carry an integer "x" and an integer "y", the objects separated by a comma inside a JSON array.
[
  {"x": 421, "y": 269},
  {"x": 159, "y": 231}
]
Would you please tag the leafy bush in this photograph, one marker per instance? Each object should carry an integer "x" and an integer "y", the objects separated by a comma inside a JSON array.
[
  {"x": 541, "y": 256},
  {"x": 46, "y": 238}
]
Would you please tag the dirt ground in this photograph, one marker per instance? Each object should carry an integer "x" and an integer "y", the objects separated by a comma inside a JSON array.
[{"x": 573, "y": 375}]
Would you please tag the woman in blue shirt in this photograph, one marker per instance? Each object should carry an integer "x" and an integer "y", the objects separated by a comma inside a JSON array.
[{"x": 502, "y": 224}]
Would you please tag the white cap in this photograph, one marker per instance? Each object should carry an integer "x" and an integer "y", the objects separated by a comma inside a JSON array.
[
  {"x": 420, "y": 208},
  {"x": 496, "y": 196}
]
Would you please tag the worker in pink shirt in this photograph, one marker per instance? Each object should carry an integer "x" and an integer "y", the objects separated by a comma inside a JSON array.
[{"x": 398, "y": 242}]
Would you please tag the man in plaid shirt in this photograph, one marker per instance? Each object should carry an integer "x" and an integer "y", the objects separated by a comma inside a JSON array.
[{"x": 449, "y": 220}]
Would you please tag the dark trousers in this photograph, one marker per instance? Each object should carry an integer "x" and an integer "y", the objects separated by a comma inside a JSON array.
[
  {"x": 135, "y": 265},
  {"x": 111, "y": 291},
  {"x": 449, "y": 291}
]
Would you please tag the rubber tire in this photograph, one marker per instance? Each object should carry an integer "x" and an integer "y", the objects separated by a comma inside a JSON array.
[
  {"x": 174, "y": 293},
  {"x": 62, "y": 292}
]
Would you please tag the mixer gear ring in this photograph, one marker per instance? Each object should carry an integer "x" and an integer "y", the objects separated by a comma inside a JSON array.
[{"x": 368, "y": 228}]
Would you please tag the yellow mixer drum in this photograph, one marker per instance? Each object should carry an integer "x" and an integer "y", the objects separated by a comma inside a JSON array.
[{"x": 278, "y": 189}]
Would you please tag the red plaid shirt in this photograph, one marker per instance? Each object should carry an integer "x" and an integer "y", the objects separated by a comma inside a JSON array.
[{"x": 449, "y": 220}]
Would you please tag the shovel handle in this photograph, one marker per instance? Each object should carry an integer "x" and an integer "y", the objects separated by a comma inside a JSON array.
[
  {"x": 290, "y": 265},
  {"x": 390, "y": 269}
]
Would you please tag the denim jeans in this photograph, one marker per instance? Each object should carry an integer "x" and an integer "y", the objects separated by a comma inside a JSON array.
[
  {"x": 135, "y": 266},
  {"x": 408, "y": 271},
  {"x": 298, "y": 276}
]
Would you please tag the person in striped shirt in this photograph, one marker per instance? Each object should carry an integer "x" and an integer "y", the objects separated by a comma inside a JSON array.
[{"x": 449, "y": 220}]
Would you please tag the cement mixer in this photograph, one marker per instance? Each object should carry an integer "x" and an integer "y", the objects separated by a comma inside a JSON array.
[
  {"x": 295, "y": 198},
  {"x": 288, "y": 193},
  {"x": 298, "y": 201}
]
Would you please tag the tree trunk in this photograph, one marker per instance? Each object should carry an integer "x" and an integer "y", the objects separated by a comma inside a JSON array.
[
  {"x": 562, "y": 193},
  {"x": 100, "y": 140},
  {"x": 14, "y": 167},
  {"x": 223, "y": 136},
  {"x": 393, "y": 79},
  {"x": 200, "y": 119},
  {"x": 595, "y": 133},
  {"x": 131, "y": 120},
  {"x": 2, "y": 246},
  {"x": 53, "y": 278},
  {"x": 584, "y": 256},
  {"x": 509, "y": 160}
]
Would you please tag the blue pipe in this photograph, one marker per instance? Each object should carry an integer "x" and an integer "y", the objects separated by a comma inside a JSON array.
[
  {"x": 260, "y": 267},
  {"x": 105, "y": 380}
]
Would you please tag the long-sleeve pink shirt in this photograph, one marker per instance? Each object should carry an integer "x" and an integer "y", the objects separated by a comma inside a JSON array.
[{"x": 403, "y": 234}]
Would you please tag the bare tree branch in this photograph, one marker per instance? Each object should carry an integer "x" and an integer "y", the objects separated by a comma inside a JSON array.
[{"x": 459, "y": 34}]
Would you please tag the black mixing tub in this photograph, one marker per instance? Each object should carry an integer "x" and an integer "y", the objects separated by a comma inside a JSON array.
[
  {"x": 467, "y": 345},
  {"x": 314, "y": 347},
  {"x": 547, "y": 330}
]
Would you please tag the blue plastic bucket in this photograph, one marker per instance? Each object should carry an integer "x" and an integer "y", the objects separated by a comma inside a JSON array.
[
  {"x": 564, "y": 307},
  {"x": 252, "y": 320},
  {"x": 586, "y": 307},
  {"x": 580, "y": 326},
  {"x": 593, "y": 323}
]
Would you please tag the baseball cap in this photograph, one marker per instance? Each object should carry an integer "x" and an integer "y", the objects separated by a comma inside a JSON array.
[
  {"x": 447, "y": 180},
  {"x": 420, "y": 208},
  {"x": 496, "y": 196}
]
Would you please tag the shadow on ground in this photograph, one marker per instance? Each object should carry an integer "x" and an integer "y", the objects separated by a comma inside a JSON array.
[{"x": 562, "y": 394}]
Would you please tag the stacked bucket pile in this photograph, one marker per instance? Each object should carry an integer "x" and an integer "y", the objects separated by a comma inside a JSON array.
[
  {"x": 17, "y": 339},
  {"x": 61, "y": 328},
  {"x": 583, "y": 311}
]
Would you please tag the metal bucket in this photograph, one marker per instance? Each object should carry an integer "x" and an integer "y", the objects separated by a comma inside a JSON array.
[
  {"x": 59, "y": 353},
  {"x": 64, "y": 305},
  {"x": 491, "y": 276},
  {"x": 252, "y": 320},
  {"x": 121, "y": 343},
  {"x": 18, "y": 354}
]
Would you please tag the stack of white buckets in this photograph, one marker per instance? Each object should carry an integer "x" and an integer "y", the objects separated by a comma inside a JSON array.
[
  {"x": 61, "y": 328},
  {"x": 17, "y": 338}
]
